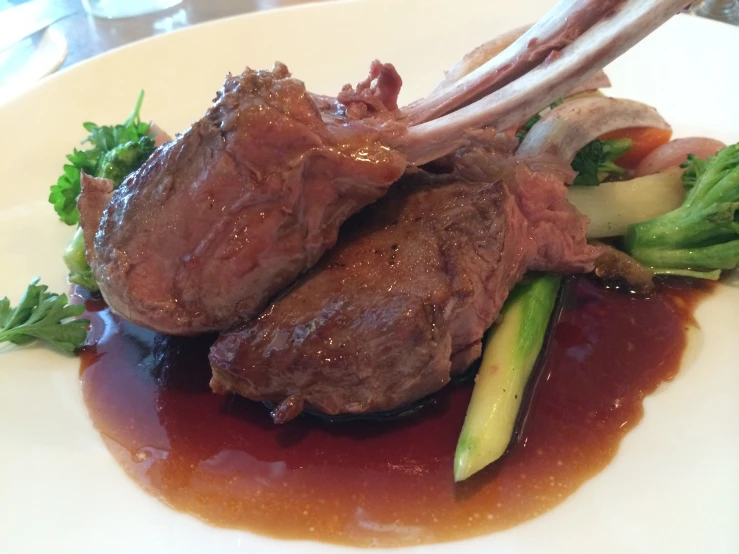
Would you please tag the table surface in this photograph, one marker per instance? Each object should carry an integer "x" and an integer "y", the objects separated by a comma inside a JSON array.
[{"x": 89, "y": 36}]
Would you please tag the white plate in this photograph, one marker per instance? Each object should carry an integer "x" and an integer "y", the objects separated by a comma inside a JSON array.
[{"x": 672, "y": 488}]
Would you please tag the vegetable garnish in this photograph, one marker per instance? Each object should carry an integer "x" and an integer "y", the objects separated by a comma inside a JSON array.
[
  {"x": 45, "y": 316},
  {"x": 511, "y": 350},
  {"x": 701, "y": 237},
  {"x": 595, "y": 162},
  {"x": 526, "y": 127},
  {"x": 118, "y": 163},
  {"x": 80, "y": 272},
  {"x": 644, "y": 140},
  {"x": 694, "y": 168},
  {"x": 116, "y": 151},
  {"x": 613, "y": 207}
]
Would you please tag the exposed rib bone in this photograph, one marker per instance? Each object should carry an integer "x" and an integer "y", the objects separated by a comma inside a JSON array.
[
  {"x": 486, "y": 52},
  {"x": 601, "y": 44},
  {"x": 560, "y": 27},
  {"x": 476, "y": 58}
]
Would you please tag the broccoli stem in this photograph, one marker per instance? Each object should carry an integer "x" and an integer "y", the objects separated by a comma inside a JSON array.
[{"x": 718, "y": 256}]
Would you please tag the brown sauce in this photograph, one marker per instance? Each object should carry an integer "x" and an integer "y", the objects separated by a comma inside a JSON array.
[{"x": 380, "y": 483}]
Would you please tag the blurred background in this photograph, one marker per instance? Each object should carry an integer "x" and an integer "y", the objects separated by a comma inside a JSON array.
[{"x": 39, "y": 37}]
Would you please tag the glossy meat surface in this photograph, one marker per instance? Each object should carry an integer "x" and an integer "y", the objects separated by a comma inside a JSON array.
[
  {"x": 233, "y": 210},
  {"x": 401, "y": 303}
]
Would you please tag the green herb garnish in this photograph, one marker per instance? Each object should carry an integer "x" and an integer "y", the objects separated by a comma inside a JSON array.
[
  {"x": 45, "y": 316},
  {"x": 113, "y": 150}
]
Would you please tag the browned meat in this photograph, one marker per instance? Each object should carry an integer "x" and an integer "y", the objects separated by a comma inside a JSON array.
[
  {"x": 403, "y": 300},
  {"x": 96, "y": 194},
  {"x": 230, "y": 212},
  {"x": 233, "y": 210}
]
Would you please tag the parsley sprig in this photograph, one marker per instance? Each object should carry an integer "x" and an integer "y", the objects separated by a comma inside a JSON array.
[
  {"x": 43, "y": 315},
  {"x": 132, "y": 134}
]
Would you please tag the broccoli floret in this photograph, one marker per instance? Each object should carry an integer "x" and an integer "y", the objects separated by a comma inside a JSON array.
[
  {"x": 117, "y": 163},
  {"x": 594, "y": 163},
  {"x": 694, "y": 168},
  {"x": 701, "y": 237}
]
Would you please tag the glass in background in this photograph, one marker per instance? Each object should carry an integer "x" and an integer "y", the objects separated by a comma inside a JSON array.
[
  {"x": 722, "y": 10},
  {"x": 115, "y": 9}
]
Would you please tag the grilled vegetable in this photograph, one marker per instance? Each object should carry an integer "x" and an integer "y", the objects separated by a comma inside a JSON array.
[
  {"x": 612, "y": 207},
  {"x": 511, "y": 350}
]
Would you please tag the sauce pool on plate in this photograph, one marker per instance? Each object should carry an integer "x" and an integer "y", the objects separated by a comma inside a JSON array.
[{"x": 380, "y": 483}]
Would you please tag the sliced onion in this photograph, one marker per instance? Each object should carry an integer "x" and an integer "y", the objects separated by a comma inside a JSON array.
[
  {"x": 564, "y": 130},
  {"x": 676, "y": 152},
  {"x": 598, "y": 81},
  {"x": 584, "y": 94}
]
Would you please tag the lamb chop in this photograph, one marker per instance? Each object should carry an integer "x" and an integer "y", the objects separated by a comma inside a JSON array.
[
  {"x": 402, "y": 302},
  {"x": 233, "y": 210}
]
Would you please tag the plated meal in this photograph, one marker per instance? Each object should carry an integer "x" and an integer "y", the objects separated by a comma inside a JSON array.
[{"x": 338, "y": 319}]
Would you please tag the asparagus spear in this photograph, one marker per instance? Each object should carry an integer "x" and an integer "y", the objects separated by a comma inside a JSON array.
[{"x": 511, "y": 351}]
